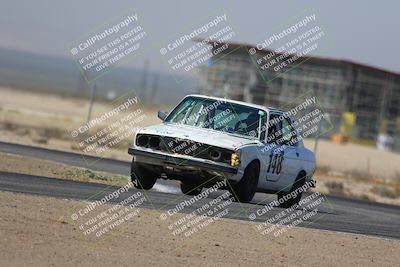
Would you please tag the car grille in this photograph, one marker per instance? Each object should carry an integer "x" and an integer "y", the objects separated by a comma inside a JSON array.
[{"x": 183, "y": 147}]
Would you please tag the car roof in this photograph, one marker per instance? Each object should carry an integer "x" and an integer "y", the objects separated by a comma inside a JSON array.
[{"x": 236, "y": 102}]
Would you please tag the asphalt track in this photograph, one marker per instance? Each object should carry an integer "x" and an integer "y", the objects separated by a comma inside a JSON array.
[{"x": 332, "y": 214}]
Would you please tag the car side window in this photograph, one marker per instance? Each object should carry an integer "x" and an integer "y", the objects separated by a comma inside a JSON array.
[
  {"x": 288, "y": 133},
  {"x": 274, "y": 129}
]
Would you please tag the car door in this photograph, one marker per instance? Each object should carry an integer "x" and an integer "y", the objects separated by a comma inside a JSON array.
[
  {"x": 291, "y": 157},
  {"x": 272, "y": 152}
]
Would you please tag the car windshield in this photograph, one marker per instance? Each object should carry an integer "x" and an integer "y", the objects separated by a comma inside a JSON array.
[{"x": 219, "y": 115}]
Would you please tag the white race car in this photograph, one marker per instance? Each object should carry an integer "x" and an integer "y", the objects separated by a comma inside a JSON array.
[{"x": 204, "y": 140}]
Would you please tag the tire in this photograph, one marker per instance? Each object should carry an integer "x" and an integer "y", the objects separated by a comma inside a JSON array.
[
  {"x": 299, "y": 182},
  {"x": 190, "y": 189},
  {"x": 142, "y": 177},
  {"x": 246, "y": 188}
]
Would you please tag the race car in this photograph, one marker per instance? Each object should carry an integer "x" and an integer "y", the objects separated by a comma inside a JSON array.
[{"x": 204, "y": 140}]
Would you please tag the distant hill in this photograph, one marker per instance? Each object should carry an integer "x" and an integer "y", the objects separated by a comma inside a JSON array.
[{"x": 44, "y": 73}]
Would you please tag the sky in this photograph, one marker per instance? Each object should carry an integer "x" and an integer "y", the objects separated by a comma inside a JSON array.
[{"x": 362, "y": 31}]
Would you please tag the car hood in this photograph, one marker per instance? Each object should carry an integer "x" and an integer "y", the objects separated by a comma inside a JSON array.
[{"x": 205, "y": 136}]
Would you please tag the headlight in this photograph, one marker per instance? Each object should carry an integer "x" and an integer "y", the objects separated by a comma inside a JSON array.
[
  {"x": 235, "y": 159},
  {"x": 215, "y": 155},
  {"x": 142, "y": 140},
  {"x": 154, "y": 142}
]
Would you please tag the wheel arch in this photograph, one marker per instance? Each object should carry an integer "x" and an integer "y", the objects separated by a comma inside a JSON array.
[
  {"x": 302, "y": 174},
  {"x": 257, "y": 161}
]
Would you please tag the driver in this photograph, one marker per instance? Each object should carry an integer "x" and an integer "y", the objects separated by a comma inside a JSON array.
[{"x": 250, "y": 124}]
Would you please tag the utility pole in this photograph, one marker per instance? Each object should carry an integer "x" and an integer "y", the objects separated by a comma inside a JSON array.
[
  {"x": 144, "y": 80},
  {"x": 154, "y": 89},
  {"x": 92, "y": 93},
  {"x": 316, "y": 139}
]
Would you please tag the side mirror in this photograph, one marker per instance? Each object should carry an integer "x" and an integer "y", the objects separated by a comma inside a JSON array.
[{"x": 162, "y": 115}]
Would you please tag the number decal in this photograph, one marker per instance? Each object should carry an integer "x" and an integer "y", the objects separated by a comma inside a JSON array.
[
  {"x": 279, "y": 164},
  {"x": 270, "y": 159},
  {"x": 275, "y": 163}
]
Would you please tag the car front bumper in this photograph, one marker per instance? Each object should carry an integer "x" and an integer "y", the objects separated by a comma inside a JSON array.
[{"x": 184, "y": 162}]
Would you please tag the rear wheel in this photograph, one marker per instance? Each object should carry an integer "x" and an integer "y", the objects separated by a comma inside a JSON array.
[
  {"x": 190, "y": 189},
  {"x": 142, "y": 177},
  {"x": 287, "y": 200},
  {"x": 245, "y": 189}
]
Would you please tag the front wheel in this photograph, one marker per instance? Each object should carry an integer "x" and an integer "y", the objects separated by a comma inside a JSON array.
[
  {"x": 246, "y": 188},
  {"x": 287, "y": 200},
  {"x": 142, "y": 177},
  {"x": 190, "y": 189}
]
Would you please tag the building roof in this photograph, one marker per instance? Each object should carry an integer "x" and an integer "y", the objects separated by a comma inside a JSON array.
[{"x": 314, "y": 58}]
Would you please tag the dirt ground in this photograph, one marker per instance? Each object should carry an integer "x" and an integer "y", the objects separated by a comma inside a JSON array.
[
  {"x": 33, "y": 166},
  {"x": 25, "y": 119},
  {"x": 38, "y": 231}
]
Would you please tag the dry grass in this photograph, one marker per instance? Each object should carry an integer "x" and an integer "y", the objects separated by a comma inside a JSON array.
[
  {"x": 335, "y": 188},
  {"x": 386, "y": 192},
  {"x": 39, "y": 167}
]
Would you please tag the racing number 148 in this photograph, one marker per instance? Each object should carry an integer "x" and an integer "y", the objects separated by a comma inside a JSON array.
[{"x": 275, "y": 163}]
